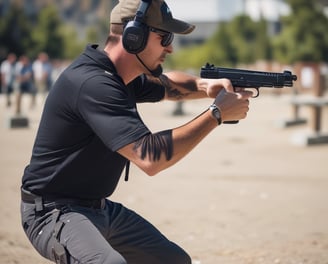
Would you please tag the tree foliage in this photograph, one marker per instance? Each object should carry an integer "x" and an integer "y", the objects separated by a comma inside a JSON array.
[
  {"x": 238, "y": 41},
  {"x": 304, "y": 36},
  {"x": 43, "y": 31},
  {"x": 46, "y": 34},
  {"x": 15, "y": 30}
]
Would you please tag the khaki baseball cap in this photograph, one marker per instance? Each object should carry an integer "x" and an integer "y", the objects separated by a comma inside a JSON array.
[{"x": 158, "y": 16}]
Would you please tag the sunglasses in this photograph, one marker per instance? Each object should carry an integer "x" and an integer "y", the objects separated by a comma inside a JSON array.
[{"x": 167, "y": 37}]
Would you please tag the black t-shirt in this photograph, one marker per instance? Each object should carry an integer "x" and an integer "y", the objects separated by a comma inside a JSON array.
[{"x": 89, "y": 114}]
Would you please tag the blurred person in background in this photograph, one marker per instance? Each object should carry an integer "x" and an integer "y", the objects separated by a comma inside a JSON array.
[
  {"x": 91, "y": 130},
  {"x": 42, "y": 69},
  {"x": 25, "y": 82},
  {"x": 57, "y": 68},
  {"x": 8, "y": 76}
]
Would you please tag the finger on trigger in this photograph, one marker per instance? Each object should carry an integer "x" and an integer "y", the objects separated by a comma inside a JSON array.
[
  {"x": 246, "y": 94},
  {"x": 239, "y": 89}
]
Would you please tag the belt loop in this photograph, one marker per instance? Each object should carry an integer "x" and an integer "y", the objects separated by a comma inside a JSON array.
[{"x": 38, "y": 204}]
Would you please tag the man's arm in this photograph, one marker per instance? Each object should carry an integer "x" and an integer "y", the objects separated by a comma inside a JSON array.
[
  {"x": 152, "y": 157},
  {"x": 183, "y": 86},
  {"x": 156, "y": 152}
]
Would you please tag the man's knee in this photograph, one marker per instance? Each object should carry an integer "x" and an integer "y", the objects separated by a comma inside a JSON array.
[
  {"x": 164, "y": 255},
  {"x": 113, "y": 257},
  {"x": 110, "y": 257}
]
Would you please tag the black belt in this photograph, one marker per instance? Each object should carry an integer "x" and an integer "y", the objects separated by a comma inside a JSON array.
[{"x": 28, "y": 197}]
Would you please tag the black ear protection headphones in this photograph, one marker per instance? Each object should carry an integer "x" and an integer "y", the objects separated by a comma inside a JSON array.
[{"x": 135, "y": 33}]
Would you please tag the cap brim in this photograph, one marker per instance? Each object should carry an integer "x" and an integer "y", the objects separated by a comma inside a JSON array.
[{"x": 177, "y": 26}]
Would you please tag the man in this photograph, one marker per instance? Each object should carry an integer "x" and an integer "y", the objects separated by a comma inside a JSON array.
[
  {"x": 42, "y": 70},
  {"x": 90, "y": 130},
  {"x": 25, "y": 81},
  {"x": 8, "y": 76}
]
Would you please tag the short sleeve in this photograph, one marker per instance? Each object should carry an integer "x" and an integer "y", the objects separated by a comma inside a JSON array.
[
  {"x": 147, "y": 91},
  {"x": 109, "y": 108}
]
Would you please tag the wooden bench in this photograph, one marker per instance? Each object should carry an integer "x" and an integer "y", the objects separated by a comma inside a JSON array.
[
  {"x": 310, "y": 91},
  {"x": 316, "y": 105}
]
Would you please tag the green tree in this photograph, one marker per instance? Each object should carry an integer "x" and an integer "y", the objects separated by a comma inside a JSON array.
[
  {"x": 44, "y": 31},
  {"x": 71, "y": 46},
  {"x": 98, "y": 33},
  {"x": 187, "y": 58},
  {"x": 47, "y": 35},
  {"x": 15, "y": 31},
  {"x": 263, "y": 42},
  {"x": 221, "y": 51},
  {"x": 304, "y": 36},
  {"x": 241, "y": 40},
  {"x": 243, "y": 34},
  {"x": 216, "y": 50}
]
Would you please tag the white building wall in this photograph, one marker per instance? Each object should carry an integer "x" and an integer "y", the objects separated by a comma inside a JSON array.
[{"x": 224, "y": 10}]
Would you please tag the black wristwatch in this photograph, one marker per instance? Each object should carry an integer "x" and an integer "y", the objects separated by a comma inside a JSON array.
[{"x": 216, "y": 113}]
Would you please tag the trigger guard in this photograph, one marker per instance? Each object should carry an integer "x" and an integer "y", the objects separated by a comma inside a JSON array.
[{"x": 257, "y": 93}]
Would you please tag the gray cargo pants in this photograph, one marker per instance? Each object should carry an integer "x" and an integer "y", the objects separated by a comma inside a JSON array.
[{"x": 112, "y": 235}]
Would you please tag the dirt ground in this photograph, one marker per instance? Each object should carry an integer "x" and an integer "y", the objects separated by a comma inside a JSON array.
[{"x": 246, "y": 194}]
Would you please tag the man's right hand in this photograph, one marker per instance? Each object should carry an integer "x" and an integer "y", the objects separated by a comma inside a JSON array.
[{"x": 233, "y": 105}]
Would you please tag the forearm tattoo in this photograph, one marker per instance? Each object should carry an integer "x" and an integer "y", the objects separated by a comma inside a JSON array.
[
  {"x": 186, "y": 87},
  {"x": 153, "y": 145}
]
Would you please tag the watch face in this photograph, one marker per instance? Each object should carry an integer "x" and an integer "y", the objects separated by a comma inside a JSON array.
[{"x": 216, "y": 113}]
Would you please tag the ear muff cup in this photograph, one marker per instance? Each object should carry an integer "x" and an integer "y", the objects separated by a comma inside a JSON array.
[
  {"x": 135, "y": 37},
  {"x": 136, "y": 32}
]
